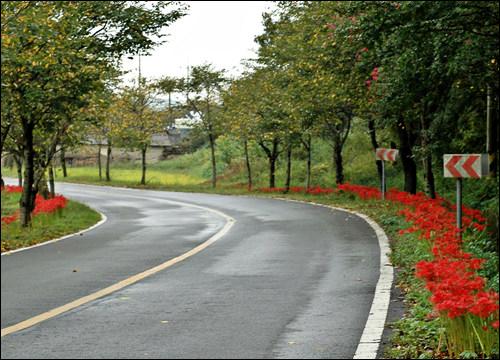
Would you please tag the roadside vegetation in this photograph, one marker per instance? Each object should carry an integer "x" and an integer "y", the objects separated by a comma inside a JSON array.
[
  {"x": 419, "y": 333},
  {"x": 53, "y": 218}
]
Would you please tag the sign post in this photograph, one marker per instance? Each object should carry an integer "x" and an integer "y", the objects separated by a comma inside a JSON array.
[
  {"x": 464, "y": 166},
  {"x": 385, "y": 155},
  {"x": 459, "y": 204}
]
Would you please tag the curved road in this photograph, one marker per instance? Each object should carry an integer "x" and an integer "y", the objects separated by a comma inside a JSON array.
[{"x": 276, "y": 279}]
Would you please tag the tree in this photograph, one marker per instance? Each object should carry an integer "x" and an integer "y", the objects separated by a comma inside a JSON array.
[
  {"x": 202, "y": 90},
  {"x": 55, "y": 54},
  {"x": 271, "y": 111},
  {"x": 104, "y": 126},
  {"x": 169, "y": 86},
  {"x": 435, "y": 61},
  {"x": 141, "y": 115},
  {"x": 237, "y": 114},
  {"x": 327, "y": 87}
]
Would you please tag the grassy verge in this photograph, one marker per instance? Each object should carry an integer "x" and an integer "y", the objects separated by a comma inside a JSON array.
[{"x": 71, "y": 219}]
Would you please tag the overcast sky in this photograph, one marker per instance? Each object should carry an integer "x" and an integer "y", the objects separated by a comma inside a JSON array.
[{"x": 217, "y": 32}]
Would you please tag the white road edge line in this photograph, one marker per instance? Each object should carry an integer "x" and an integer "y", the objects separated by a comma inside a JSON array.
[
  {"x": 375, "y": 323},
  {"x": 372, "y": 334},
  {"x": 57, "y": 311},
  {"x": 102, "y": 221}
]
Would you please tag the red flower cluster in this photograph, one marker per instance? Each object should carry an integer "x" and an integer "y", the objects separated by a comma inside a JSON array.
[
  {"x": 312, "y": 190},
  {"x": 456, "y": 290},
  {"x": 49, "y": 205},
  {"x": 8, "y": 219},
  {"x": 41, "y": 205},
  {"x": 12, "y": 189},
  {"x": 451, "y": 274},
  {"x": 364, "y": 192}
]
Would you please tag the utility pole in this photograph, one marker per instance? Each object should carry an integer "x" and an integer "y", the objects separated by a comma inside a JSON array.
[{"x": 491, "y": 136}]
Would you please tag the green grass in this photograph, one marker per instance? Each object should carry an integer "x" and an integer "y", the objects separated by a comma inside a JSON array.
[
  {"x": 128, "y": 177},
  {"x": 69, "y": 220}
]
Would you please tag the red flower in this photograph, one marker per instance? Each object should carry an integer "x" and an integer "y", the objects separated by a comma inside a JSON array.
[{"x": 41, "y": 205}]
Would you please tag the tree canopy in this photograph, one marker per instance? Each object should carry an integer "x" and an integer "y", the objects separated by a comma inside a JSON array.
[{"x": 57, "y": 55}]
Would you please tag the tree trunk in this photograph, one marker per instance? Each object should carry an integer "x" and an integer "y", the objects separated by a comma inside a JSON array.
[
  {"x": 99, "y": 161},
  {"x": 108, "y": 162},
  {"x": 40, "y": 183},
  {"x": 339, "y": 132},
  {"x": 5, "y": 132},
  {"x": 63, "y": 162},
  {"x": 248, "y": 164},
  {"x": 373, "y": 137},
  {"x": 491, "y": 135},
  {"x": 430, "y": 188},
  {"x": 19, "y": 166},
  {"x": 288, "y": 167},
  {"x": 214, "y": 169},
  {"x": 272, "y": 155},
  {"x": 307, "y": 146},
  {"x": 27, "y": 201},
  {"x": 51, "y": 182},
  {"x": 143, "y": 153},
  {"x": 337, "y": 160},
  {"x": 409, "y": 166},
  {"x": 272, "y": 172}
]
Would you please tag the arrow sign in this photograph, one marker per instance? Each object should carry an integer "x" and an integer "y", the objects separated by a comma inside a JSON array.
[
  {"x": 466, "y": 165},
  {"x": 392, "y": 154},
  {"x": 386, "y": 154}
]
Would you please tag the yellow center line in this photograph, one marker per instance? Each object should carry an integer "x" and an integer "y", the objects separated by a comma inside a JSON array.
[{"x": 57, "y": 311}]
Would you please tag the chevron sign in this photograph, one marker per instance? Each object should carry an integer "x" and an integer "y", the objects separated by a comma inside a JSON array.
[
  {"x": 466, "y": 165},
  {"x": 386, "y": 154}
]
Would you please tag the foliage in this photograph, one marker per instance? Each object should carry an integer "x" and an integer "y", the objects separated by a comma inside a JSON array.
[
  {"x": 55, "y": 56},
  {"x": 202, "y": 89},
  {"x": 140, "y": 117},
  {"x": 435, "y": 61}
]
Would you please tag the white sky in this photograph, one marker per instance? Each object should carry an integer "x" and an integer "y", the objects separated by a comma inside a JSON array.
[{"x": 216, "y": 32}]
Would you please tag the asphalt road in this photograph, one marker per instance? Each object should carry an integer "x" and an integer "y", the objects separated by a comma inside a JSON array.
[{"x": 277, "y": 279}]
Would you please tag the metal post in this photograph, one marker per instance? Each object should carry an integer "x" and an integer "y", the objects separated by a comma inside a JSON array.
[
  {"x": 491, "y": 136},
  {"x": 459, "y": 205},
  {"x": 383, "y": 180}
]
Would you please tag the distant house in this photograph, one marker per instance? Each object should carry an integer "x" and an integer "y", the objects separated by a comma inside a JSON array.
[{"x": 161, "y": 147}]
